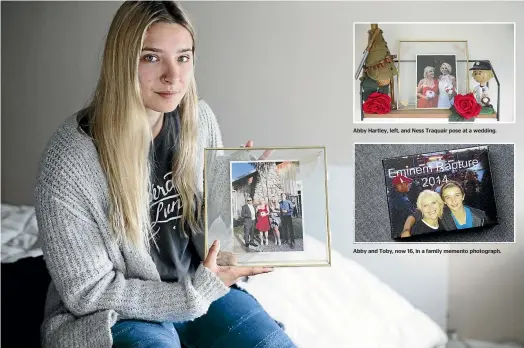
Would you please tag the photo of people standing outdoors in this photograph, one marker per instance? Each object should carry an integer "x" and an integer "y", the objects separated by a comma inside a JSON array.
[
  {"x": 266, "y": 203},
  {"x": 441, "y": 191}
]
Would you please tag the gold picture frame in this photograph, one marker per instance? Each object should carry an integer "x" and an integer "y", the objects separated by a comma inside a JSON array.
[
  {"x": 232, "y": 175},
  {"x": 407, "y": 52}
]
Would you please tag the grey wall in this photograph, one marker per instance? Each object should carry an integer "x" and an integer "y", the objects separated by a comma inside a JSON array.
[
  {"x": 486, "y": 298},
  {"x": 280, "y": 73},
  {"x": 50, "y": 59}
]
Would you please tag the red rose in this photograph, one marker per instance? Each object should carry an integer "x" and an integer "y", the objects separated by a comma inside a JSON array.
[
  {"x": 377, "y": 103},
  {"x": 466, "y": 105}
]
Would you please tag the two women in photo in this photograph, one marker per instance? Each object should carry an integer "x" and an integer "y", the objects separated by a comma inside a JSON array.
[
  {"x": 433, "y": 92},
  {"x": 443, "y": 212},
  {"x": 268, "y": 218}
]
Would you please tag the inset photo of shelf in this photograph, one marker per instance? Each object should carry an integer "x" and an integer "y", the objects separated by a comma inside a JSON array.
[{"x": 434, "y": 72}]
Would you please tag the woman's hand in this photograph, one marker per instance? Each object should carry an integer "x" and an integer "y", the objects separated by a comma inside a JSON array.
[
  {"x": 229, "y": 274},
  {"x": 226, "y": 258},
  {"x": 266, "y": 153}
]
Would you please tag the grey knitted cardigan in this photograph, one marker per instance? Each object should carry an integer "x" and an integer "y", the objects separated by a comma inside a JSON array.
[{"x": 96, "y": 281}]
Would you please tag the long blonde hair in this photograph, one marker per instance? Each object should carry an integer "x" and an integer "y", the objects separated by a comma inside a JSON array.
[{"x": 120, "y": 128}]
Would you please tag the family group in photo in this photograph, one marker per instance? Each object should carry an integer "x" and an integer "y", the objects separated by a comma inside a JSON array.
[
  {"x": 433, "y": 92},
  {"x": 440, "y": 210},
  {"x": 263, "y": 217}
]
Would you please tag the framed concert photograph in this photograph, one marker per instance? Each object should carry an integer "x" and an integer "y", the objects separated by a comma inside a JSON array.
[{"x": 268, "y": 206}]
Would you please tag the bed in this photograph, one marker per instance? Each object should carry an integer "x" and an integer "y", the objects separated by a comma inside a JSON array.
[
  {"x": 24, "y": 277},
  {"x": 340, "y": 306}
]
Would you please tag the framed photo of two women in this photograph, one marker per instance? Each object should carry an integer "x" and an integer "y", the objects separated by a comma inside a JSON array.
[{"x": 436, "y": 80}]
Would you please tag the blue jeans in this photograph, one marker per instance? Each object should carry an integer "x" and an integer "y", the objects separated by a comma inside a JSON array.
[{"x": 234, "y": 320}]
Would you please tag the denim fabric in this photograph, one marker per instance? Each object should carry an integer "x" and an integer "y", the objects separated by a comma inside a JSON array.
[
  {"x": 234, "y": 320},
  {"x": 144, "y": 334}
]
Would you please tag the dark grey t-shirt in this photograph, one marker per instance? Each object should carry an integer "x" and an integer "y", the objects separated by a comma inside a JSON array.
[{"x": 176, "y": 255}]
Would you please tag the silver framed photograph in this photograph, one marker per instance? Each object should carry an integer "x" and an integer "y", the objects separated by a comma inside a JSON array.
[{"x": 268, "y": 206}]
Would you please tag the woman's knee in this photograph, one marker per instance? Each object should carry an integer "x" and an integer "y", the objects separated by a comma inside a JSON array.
[
  {"x": 144, "y": 334},
  {"x": 236, "y": 320}
]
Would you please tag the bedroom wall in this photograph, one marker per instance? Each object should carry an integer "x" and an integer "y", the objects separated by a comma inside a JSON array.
[
  {"x": 486, "y": 295},
  {"x": 50, "y": 59},
  {"x": 265, "y": 68}
]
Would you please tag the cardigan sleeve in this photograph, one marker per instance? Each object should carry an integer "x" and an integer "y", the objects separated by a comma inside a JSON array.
[
  {"x": 212, "y": 129},
  {"x": 75, "y": 247}
]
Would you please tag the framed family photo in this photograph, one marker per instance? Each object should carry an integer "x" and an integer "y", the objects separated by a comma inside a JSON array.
[
  {"x": 268, "y": 206},
  {"x": 435, "y": 80},
  {"x": 266, "y": 203}
]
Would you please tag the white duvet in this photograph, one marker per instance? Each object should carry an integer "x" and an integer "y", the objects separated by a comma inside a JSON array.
[
  {"x": 19, "y": 233},
  {"x": 342, "y": 306},
  {"x": 339, "y": 306}
]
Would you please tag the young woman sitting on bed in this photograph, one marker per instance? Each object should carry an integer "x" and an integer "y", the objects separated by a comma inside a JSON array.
[{"x": 119, "y": 198}]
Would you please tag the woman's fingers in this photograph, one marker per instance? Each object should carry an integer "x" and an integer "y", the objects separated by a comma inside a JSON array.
[
  {"x": 264, "y": 155},
  {"x": 230, "y": 275},
  {"x": 226, "y": 258},
  {"x": 211, "y": 259},
  {"x": 250, "y": 271}
]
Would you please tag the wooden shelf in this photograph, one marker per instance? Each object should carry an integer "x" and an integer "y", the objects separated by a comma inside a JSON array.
[{"x": 421, "y": 113}]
